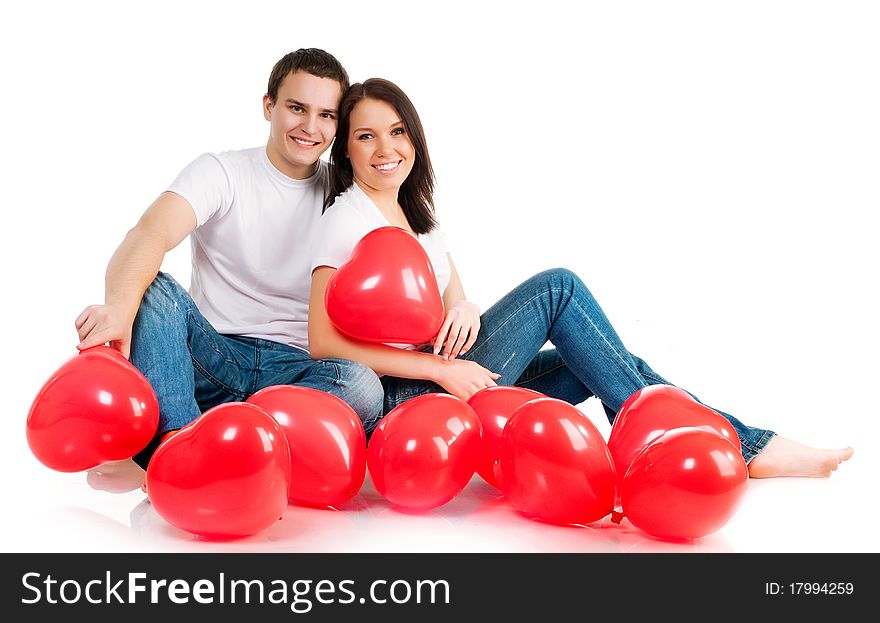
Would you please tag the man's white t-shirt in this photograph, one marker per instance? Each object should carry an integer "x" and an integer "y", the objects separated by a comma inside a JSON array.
[
  {"x": 251, "y": 267},
  {"x": 351, "y": 217}
]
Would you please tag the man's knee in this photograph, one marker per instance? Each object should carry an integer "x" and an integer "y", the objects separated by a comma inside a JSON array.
[
  {"x": 361, "y": 389},
  {"x": 163, "y": 296}
]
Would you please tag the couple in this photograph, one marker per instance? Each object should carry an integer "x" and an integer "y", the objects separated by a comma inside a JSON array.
[{"x": 263, "y": 252}]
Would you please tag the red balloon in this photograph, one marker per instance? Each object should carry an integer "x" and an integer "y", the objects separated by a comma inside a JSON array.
[
  {"x": 425, "y": 451},
  {"x": 685, "y": 484},
  {"x": 494, "y": 406},
  {"x": 653, "y": 410},
  {"x": 328, "y": 446},
  {"x": 387, "y": 291},
  {"x": 225, "y": 475},
  {"x": 95, "y": 408},
  {"x": 554, "y": 464}
]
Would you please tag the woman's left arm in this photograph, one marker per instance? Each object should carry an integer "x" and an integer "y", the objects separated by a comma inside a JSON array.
[{"x": 462, "y": 323}]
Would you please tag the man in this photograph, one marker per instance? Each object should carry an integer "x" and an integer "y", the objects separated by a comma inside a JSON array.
[{"x": 249, "y": 215}]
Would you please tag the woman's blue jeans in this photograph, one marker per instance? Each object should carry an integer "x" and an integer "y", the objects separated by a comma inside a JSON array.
[
  {"x": 589, "y": 358},
  {"x": 192, "y": 367}
]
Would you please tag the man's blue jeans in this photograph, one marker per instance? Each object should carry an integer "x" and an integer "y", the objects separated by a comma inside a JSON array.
[
  {"x": 589, "y": 358},
  {"x": 193, "y": 368}
]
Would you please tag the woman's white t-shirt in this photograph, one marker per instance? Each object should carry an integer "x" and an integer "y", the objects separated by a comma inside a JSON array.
[{"x": 351, "y": 217}]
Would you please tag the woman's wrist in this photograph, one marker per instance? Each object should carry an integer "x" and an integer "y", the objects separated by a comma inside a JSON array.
[{"x": 431, "y": 368}]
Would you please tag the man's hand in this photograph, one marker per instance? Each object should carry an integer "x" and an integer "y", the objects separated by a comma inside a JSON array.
[
  {"x": 134, "y": 265},
  {"x": 459, "y": 330},
  {"x": 102, "y": 324}
]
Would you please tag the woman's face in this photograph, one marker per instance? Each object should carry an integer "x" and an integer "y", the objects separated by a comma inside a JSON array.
[{"x": 379, "y": 147}]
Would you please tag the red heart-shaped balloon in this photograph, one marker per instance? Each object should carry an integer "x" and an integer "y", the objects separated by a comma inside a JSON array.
[
  {"x": 554, "y": 464},
  {"x": 424, "y": 452},
  {"x": 494, "y": 406},
  {"x": 328, "y": 446},
  {"x": 387, "y": 291},
  {"x": 685, "y": 484},
  {"x": 225, "y": 475},
  {"x": 651, "y": 411},
  {"x": 95, "y": 408}
]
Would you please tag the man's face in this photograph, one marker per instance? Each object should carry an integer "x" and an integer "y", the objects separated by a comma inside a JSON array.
[{"x": 302, "y": 122}]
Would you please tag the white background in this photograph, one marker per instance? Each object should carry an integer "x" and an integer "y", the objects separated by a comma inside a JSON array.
[{"x": 709, "y": 169}]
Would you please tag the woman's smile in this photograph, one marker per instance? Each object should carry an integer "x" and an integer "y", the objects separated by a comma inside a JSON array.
[{"x": 388, "y": 167}]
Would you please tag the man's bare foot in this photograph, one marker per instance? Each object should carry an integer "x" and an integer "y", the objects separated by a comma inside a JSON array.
[
  {"x": 783, "y": 457},
  {"x": 165, "y": 438}
]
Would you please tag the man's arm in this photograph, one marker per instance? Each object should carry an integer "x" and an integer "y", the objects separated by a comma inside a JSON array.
[{"x": 131, "y": 269}]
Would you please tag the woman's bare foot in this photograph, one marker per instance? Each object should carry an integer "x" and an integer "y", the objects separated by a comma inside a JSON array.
[{"x": 783, "y": 457}]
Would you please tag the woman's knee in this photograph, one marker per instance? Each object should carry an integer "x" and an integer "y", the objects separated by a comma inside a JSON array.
[
  {"x": 559, "y": 279},
  {"x": 563, "y": 275}
]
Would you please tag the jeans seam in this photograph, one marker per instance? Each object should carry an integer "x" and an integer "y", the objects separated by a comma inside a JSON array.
[
  {"x": 633, "y": 372},
  {"x": 204, "y": 371},
  {"x": 755, "y": 449},
  {"x": 406, "y": 395},
  {"x": 402, "y": 396},
  {"x": 541, "y": 374},
  {"x": 654, "y": 377},
  {"x": 213, "y": 346},
  {"x": 257, "y": 359}
]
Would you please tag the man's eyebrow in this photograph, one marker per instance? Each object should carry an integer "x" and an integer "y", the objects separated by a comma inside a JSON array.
[{"x": 290, "y": 100}]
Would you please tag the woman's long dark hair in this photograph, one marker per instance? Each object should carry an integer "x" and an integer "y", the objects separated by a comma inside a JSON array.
[{"x": 416, "y": 195}]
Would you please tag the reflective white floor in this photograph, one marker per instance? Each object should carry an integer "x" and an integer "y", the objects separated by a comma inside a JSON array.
[{"x": 104, "y": 510}]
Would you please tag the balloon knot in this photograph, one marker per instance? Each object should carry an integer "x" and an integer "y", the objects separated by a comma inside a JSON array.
[{"x": 616, "y": 517}]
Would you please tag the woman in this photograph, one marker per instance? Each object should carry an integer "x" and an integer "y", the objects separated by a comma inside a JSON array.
[{"x": 381, "y": 175}]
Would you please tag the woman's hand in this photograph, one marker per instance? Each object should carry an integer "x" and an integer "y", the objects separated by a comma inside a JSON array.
[
  {"x": 459, "y": 330},
  {"x": 463, "y": 378}
]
